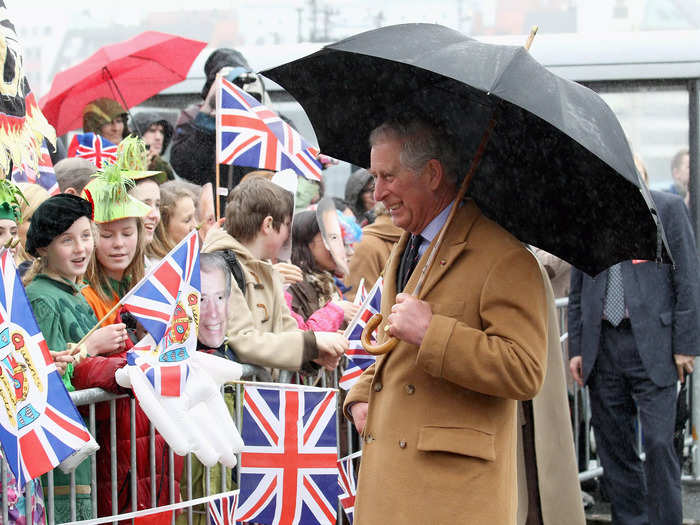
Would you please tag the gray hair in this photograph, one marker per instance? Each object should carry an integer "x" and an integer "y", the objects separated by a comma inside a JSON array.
[
  {"x": 73, "y": 172},
  {"x": 210, "y": 262},
  {"x": 421, "y": 142}
]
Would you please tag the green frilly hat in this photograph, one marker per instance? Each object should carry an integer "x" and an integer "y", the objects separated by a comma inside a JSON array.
[
  {"x": 132, "y": 159},
  {"x": 10, "y": 196},
  {"x": 108, "y": 194}
]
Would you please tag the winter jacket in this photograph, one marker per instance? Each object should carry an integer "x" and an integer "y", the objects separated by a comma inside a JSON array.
[
  {"x": 371, "y": 254},
  {"x": 99, "y": 372},
  {"x": 261, "y": 329},
  {"x": 326, "y": 319}
]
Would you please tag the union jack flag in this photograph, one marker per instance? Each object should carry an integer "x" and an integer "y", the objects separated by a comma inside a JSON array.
[
  {"x": 39, "y": 424},
  {"x": 165, "y": 293},
  {"x": 289, "y": 473},
  {"x": 221, "y": 510},
  {"x": 44, "y": 177},
  {"x": 94, "y": 148},
  {"x": 166, "y": 368},
  {"x": 358, "y": 358},
  {"x": 250, "y": 134},
  {"x": 348, "y": 486}
]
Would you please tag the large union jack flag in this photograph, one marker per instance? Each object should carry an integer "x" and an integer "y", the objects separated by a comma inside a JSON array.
[
  {"x": 348, "y": 486},
  {"x": 94, "y": 148},
  {"x": 39, "y": 424},
  {"x": 289, "y": 473},
  {"x": 220, "y": 511},
  {"x": 167, "y": 291},
  {"x": 358, "y": 358},
  {"x": 250, "y": 134},
  {"x": 44, "y": 177}
]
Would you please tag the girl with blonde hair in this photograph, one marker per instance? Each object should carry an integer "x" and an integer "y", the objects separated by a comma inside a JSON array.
[{"x": 177, "y": 218}]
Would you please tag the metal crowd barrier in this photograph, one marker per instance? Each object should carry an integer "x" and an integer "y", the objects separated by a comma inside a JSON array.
[{"x": 348, "y": 442}]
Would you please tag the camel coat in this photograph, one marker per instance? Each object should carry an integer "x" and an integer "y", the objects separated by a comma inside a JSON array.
[
  {"x": 560, "y": 490},
  {"x": 440, "y": 439},
  {"x": 260, "y": 328},
  {"x": 371, "y": 253}
]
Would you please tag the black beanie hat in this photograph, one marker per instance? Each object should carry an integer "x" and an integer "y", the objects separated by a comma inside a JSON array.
[
  {"x": 53, "y": 217},
  {"x": 222, "y": 57}
]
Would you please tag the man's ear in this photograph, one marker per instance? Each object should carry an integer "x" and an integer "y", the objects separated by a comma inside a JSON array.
[
  {"x": 436, "y": 173},
  {"x": 42, "y": 252},
  {"x": 267, "y": 226},
  {"x": 71, "y": 191}
]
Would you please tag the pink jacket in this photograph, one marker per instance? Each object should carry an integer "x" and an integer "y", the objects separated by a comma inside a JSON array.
[{"x": 326, "y": 319}]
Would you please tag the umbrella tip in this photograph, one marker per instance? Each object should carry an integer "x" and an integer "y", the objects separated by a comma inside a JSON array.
[{"x": 533, "y": 32}]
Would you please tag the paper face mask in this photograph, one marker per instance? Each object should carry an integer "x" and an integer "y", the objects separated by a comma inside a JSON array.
[{"x": 331, "y": 233}]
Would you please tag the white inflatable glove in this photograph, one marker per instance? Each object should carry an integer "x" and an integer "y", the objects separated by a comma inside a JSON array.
[{"x": 193, "y": 417}]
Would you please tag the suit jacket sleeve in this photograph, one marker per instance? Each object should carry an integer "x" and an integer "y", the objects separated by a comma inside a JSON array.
[
  {"x": 506, "y": 356},
  {"x": 686, "y": 285},
  {"x": 574, "y": 313}
]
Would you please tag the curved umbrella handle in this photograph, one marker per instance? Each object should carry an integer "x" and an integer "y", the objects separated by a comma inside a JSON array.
[{"x": 379, "y": 349}]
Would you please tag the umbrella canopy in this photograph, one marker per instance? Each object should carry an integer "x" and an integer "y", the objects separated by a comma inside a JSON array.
[
  {"x": 136, "y": 69},
  {"x": 557, "y": 171}
]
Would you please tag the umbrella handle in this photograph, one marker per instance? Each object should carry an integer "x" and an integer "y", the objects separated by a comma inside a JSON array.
[{"x": 376, "y": 349}]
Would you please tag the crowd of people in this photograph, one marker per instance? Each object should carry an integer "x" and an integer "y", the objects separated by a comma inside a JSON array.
[
  {"x": 82, "y": 250},
  {"x": 79, "y": 252}
]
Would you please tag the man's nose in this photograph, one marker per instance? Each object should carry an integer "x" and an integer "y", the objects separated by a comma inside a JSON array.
[{"x": 379, "y": 190}]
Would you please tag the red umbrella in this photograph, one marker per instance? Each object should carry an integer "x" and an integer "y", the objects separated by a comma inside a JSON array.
[{"x": 130, "y": 72}]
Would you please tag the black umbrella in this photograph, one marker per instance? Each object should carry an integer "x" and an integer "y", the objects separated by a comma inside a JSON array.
[{"x": 557, "y": 170}]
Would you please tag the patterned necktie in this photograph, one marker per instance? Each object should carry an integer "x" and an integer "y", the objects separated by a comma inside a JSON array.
[
  {"x": 409, "y": 260},
  {"x": 614, "y": 308}
]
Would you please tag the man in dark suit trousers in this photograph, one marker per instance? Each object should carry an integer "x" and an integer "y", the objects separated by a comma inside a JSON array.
[{"x": 633, "y": 333}]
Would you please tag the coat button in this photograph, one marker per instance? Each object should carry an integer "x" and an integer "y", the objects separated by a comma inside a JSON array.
[
  {"x": 410, "y": 389},
  {"x": 377, "y": 387},
  {"x": 402, "y": 444}
]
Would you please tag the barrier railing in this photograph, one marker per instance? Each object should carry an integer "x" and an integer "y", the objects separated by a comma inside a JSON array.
[{"x": 348, "y": 442}]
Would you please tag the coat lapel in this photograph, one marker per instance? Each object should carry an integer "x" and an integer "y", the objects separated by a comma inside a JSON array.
[{"x": 452, "y": 246}]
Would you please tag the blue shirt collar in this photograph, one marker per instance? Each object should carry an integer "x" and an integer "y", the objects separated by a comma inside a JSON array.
[{"x": 433, "y": 228}]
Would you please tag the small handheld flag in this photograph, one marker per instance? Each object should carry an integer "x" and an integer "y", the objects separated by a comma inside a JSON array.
[
  {"x": 358, "y": 358},
  {"x": 39, "y": 424}
]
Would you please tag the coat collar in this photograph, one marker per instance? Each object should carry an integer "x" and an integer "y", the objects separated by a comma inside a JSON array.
[{"x": 452, "y": 245}]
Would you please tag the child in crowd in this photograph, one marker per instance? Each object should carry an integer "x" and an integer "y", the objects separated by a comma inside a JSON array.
[
  {"x": 177, "y": 211},
  {"x": 316, "y": 299},
  {"x": 60, "y": 239},
  {"x": 261, "y": 329},
  {"x": 119, "y": 259},
  {"x": 117, "y": 266},
  {"x": 132, "y": 158}
]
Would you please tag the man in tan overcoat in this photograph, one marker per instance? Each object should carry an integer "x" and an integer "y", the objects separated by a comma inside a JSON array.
[{"x": 438, "y": 413}]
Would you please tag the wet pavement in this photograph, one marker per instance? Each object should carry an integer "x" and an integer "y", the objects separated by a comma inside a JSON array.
[{"x": 599, "y": 513}]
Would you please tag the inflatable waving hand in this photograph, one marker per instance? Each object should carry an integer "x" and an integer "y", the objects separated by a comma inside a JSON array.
[{"x": 178, "y": 387}]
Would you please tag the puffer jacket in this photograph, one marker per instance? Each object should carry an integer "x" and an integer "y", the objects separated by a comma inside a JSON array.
[{"x": 98, "y": 371}]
